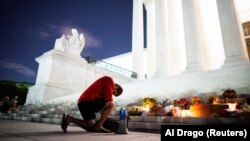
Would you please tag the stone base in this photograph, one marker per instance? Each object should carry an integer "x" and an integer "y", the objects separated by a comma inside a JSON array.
[
  {"x": 60, "y": 75},
  {"x": 52, "y": 114},
  {"x": 40, "y": 94},
  {"x": 201, "y": 84},
  {"x": 153, "y": 123}
]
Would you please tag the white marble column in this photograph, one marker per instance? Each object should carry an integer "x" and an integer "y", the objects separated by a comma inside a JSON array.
[
  {"x": 151, "y": 55},
  {"x": 137, "y": 38},
  {"x": 205, "y": 53},
  {"x": 213, "y": 42},
  {"x": 176, "y": 37},
  {"x": 162, "y": 50},
  {"x": 232, "y": 36},
  {"x": 192, "y": 39}
]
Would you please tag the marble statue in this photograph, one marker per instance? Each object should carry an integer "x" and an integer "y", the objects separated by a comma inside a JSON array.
[{"x": 71, "y": 44}]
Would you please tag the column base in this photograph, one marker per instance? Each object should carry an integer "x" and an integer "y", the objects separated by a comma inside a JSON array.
[
  {"x": 140, "y": 76},
  {"x": 193, "y": 68},
  {"x": 161, "y": 72},
  {"x": 235, "y": 62}
]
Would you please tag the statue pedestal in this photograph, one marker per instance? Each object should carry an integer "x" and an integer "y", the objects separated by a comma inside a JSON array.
[{"x": 59, "y": 74}]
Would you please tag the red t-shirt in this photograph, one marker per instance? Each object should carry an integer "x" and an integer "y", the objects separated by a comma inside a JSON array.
[{"x": 101, "y": 88}]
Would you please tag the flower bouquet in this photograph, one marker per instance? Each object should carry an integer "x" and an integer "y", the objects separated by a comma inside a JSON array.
[
  {"x": 229, "y": 95},
  {"x": 195, "y": 100},
  {"x": 182, "y": 103},
  {"x": 213, "y": 100}
]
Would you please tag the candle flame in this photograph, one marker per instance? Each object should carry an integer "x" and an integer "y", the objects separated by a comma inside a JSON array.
[
  {"x": 232, "y": 106},
  {"x": 146, "y": 108}
]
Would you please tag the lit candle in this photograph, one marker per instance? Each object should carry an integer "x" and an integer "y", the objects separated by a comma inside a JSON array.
[
  {"x": 145, "y": 110},
  {"x": 232, "y": 106},
  {"x": 184, "y": 113}
]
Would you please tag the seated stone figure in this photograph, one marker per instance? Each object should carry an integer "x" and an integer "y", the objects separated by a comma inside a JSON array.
[
  {"x": 72, "y": 44},
  {"x": 61, "y": 43}
]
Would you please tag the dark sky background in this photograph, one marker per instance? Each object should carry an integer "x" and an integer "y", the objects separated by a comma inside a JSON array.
[{"x": 29, "y": 28}]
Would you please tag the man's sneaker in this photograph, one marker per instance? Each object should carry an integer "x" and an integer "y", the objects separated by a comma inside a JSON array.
[{"x": 63, "y": 123}]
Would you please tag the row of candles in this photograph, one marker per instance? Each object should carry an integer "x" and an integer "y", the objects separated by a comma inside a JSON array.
[{"x": 186, "y": 113}]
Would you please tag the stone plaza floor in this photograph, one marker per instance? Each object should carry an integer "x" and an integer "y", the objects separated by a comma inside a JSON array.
[{"x": 11, "y": 130}]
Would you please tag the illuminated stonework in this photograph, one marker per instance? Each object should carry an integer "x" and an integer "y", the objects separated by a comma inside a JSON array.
[{"x": 194, "y": 47}]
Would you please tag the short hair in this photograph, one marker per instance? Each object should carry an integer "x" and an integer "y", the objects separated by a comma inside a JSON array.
[{"x": 119, "y": 89}]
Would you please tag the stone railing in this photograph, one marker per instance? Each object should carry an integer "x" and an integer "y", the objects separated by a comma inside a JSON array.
[{"x": 114, "y": 68}]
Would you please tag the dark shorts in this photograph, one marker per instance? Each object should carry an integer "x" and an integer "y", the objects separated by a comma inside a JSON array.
[{"x": 89, "y": 108}]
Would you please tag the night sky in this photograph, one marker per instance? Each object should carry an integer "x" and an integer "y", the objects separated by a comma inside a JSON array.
[{"x": 29, "y": 28}]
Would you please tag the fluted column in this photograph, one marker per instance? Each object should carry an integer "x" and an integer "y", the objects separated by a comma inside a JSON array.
[
  {"x": 192, "y": 39},
  {"x": 151, "y": 58},
  {"x": 176, "y": 37},
  {"x": 162, "y": 50},
  {"x": 137, "y": 38},
  {"x": 213, "y": 43},
  {"x": 231, "y": 30}
]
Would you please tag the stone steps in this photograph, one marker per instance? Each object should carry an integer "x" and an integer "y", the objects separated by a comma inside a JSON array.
[{"x": 53, "y": 114}]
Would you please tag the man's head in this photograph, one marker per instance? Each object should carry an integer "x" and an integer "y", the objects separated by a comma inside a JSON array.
[{"x": 118, "y": 90}]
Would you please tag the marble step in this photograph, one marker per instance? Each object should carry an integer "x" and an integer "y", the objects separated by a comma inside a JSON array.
[
  {"x": 54, "y": 116},
  {"x": 51, "y": 120},
  {"x": 22, "y": 118},
  {"x": 152, "y": 123}
]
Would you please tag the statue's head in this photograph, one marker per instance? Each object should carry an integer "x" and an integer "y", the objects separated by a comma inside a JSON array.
[{"x": 74, "y": 32}]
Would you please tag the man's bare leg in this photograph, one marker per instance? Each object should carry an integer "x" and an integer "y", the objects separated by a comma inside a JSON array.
[
  {"x": 81, "y": 123},
  {"x": 104, "y": 115}
]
